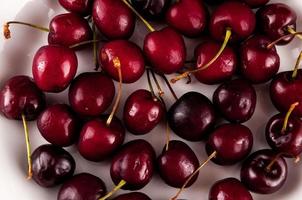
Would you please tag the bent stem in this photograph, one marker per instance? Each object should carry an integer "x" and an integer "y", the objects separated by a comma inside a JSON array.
[
  {"x": 116, "y": 188},
  {"x": 269, "y": 46},
  {"x": 7, "y": 33},
  {"x": 293, "y": 32},
  {"x": 270, "y": 165},
  {"x": 295, "y": 72},
  {"x": 170, "y": 87},
  {"x": 27, "y": 146},
  {"x": 227, "y": 37},
  {"x": 160, "y": 91},
  {"x": 289, "y": 112}
]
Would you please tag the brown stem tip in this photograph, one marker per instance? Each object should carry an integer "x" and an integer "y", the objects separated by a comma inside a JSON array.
[{"x": 6, "y": 31}]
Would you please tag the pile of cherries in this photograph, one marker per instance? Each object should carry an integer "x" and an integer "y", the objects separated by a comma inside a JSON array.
[{"x": 193, "y": 116}]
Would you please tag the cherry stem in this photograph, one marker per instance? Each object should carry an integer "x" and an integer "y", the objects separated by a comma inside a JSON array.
[
  {"x": 193, "y": 174},
  {"x": 117, "y": 65},
  {"x": 7, "y": 33},
  {"x": 270, "y": 165},
  {"x": 297, "y": 159},
  {"x": 295, "y": 72},
  {"x": 167, "y": 135},
  {"x": 151, "y": 86},
  {"x": 84, "y": 43},
  {"x": 170, "y": 87},
  {"x": 95, "y": 50},
  {"x": 115, "y": 189},
  {"x": 289, "y": 112},
  {"x": 160, "y": 91},
  {"x": 270, "y": 45},
  {"x": 293, "y": 32},
  {"x": 26, "y": 133},
  {"x": 227, "y": 37}
]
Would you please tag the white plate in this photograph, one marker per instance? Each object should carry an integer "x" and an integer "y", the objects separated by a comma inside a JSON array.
[{"x": 15, "y": 58}]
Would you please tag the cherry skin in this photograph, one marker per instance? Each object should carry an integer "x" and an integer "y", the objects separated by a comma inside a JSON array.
[
  {"x": 134, "y": 163},
  {"x": 82, "y": 186},
  {"x": 81, "y": 7},
  {"x": 142, "y": 112},
  {"x": 130, "y": 56},
  {"x": 98, "y": 141},
  {"x": 257, "y": 178},
  {"x": 235, "y": 15},
  {"x": 275, "y": 19},
  {"x": 177, "y": 164},
  {"x": 54, "y": 67},
  {"x": 113, "y": 19},
  {"x": 51, "y": 165},
  {"x": 232, "y": 142},
  {"x": 91, "y": 93},
  {"x": 235, "y": 100},
  {"x": 165, "y": 50},
  {"x": 132, "y": 196},
  {"x": 20, "y": 95},
  {"x": 284, "y": 91},
  {"x": 151, "y": 9},
  {"x": 221, "y": 70},
  {"x": 258, "y": 64},
  {"x": 192, "y": 116},
  {"x": 189, "y": 17},
  {"x": 229, "y": 189},
  {"x": 69, "y": 29}
]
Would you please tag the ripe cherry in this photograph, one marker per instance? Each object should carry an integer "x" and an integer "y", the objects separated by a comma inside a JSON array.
[
  {"x": 81, "y": 7},
  {"x": 151, "y": 9},
  {"x": 132, "y": 196}
]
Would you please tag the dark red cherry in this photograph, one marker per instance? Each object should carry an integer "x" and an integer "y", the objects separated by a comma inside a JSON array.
[
  {"x": 142, "y": 112},
  {"x": 130, "y": 56},
  {"x": 229, "y": 189},
  {"x": 151, "y": 9},
  {"x": 165, "y": 50},
  {"x": 234, "y": 15},
  {"x": 54, "y": 67},
  {"x": 91, "y": 93},
  {"x": 221, "y": 70},
  {"x": 192, "y": 116},
  {"x": 51, "y": 165},
  {"x": 177, "y": 163},
  {"x": 20, "y": 95},
  {"x": 235, "y": 100},
  {"x": 189, "y": 17},
  {"x": 213, "y": 2},
  {"x": 132, "y": 196},
  {"x": 81, "y": 7},
  {"x": 275, "y": 20},
  {"x": 256, "y": 175},
  {"x": 258, "y": 62},
  {"x": 232, "y": 143},
  {"x": 58, "y": 125},
  {"x": 81, "y": 187},
  {"x": 113, "y": 18},
  {"x": 98, "y": 141},
  {"x": 134, "y": 164}
]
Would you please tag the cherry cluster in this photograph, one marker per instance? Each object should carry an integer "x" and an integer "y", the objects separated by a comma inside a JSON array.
[{"x": 238, "y": 42}]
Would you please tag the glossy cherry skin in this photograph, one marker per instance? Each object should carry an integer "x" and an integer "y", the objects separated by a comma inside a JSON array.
[
  {"x": 221, "y": 70},
  {"x": 113, "y": 18},
  {"x": 54, "y": 67},
  {"x": 134, "y": 163},
  {"x": 274, "y": 20},
  {"x": 258, "y": 63},
  {"x": 232, "y": 143},
  {"x": 177, "y": 164},
  {"x": 189, "y": 17},
  {"x": 132, "y": 196},
  {"x": 130, "y": 56},
  {"x": 288, "y": 142},
  {"x": 98, "y": 141},
  {"x": 58, "y": 125},
  {"x": 192, "y": 116},
  {"x": 142, "y": 112},
  {"x": 20, "y": 95},
  {"x": 285, "y": 91},
  {"x": 81, "y": 7},
  {"x": 165, "y": 50},
  {"x": 151, "y": 9},
  {"x": 235, "y": 15},
  {"x": 229, "y": 189},
  {"x": 69, "y": 29},
  {"x": 255, "y": 176},
  {"x": 91, "y": 93},
  {"x": 51, "y": 165},
  {"x": 235, "y": 100}
]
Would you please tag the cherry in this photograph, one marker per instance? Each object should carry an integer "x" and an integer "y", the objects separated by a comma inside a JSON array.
[
  {"x": 91, "y": 93},
  {"x": 259, "y": 61},
  {"x": 113, "y": 18},
  {"x": 82, "y": 186},
  {"x": 81, "y": 7},
  {"x": 51, "y": 165},
  {"x": 189, "y": 17},
  {"x": 98, "y": 140},
  {"x": 54, "y": 67},
  {"x": 235, "y": 100},
  {"x": 264, "y": 172},
  {"x": 152, "y": 9},
  {"x": 192, "y": 116},
  {"x": 130, "y": 56},
  {"x": 58, "y": 125},
  {"x": 132, "y": 196},
  {"x": 229, "y": 189},
  {"x": 176, "y": 164}
]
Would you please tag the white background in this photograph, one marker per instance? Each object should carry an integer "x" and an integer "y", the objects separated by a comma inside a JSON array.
[{"x": 15, "y": 58}]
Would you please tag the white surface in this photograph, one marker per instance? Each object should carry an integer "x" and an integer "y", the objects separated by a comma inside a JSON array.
[{"x": 15, "y": 58}]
